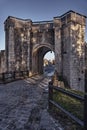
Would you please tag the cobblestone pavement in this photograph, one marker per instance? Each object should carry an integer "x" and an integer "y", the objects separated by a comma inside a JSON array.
[{"x": 23, "y": 105}]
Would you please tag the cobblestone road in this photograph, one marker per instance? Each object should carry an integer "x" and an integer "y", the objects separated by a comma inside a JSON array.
[{"x": 23, "y": 105}]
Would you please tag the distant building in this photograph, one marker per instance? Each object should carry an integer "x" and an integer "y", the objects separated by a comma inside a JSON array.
[
  {"x": 45, "y": 62},
  {"x": 48, "y": 62}
]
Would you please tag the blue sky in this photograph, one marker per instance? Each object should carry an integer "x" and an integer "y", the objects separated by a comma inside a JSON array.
[
  {"x": 37, "y": 10},
  {"x": 50, "y": 55}
]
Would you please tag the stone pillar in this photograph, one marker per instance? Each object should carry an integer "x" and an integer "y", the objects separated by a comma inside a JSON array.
[
  {"x": 85, "y": 56},
  {"x": 58, "y": 56},
  {"x": 6, "y": 43},
  {"x": 66, "y": 48},
  {"x": 28, "y": 42},
  {"x": 35, "y": 63},
  {"x": 2, "y": 61},
  {"x": 10, "y": 54},
  {"x": 77, "y": 51},
  {"x": 22, "y": 53},
  {"x": 40, "y": 63}
]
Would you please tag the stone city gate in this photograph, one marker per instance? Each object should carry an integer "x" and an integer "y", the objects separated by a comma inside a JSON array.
[{"x": 27, "y": 42}]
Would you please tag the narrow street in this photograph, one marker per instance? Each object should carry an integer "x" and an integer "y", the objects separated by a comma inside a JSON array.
[{"x": 24, "y": 105}]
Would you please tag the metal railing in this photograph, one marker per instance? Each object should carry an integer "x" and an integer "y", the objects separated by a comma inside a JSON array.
[
  {"x": 82, "y": 99},
  {"x": 11, "y": 76}
]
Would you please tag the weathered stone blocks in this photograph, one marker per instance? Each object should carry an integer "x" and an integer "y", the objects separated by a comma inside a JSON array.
[{"x": 27, "y": 42}]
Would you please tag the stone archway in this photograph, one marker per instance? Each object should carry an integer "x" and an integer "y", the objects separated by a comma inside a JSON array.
[{"x": 37, "y": 57}]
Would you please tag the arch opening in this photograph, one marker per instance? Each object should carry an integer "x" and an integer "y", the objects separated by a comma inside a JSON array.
[
  {"x": 38, "y": 62},
  {"x": 49, "y": 63}
]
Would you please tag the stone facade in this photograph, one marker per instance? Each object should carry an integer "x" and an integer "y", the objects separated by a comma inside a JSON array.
[
  {"x": 2, "y": 61},
  {"x": 86, "y": 56},
  {"x": 70, "y": 48},
  {"x": 27, "y": 42}
]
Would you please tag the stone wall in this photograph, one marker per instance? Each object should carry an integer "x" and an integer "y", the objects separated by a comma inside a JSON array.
[
  {"x": 70, "y": 48},
  {"x": 17, "y": 44},
  {"x": 58, "y": 45},
  {"x": 23, "y": 37},
  {"x": 42, "y": 42},
  {"x": 86, "y": 56},
  {"x": 77, "y": 67},
  {"x": 66, "y": 50},
  {"x": 2, "y": 61},
  {"x": 27, "y": 42}
]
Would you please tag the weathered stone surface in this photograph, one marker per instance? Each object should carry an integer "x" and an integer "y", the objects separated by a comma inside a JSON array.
[
  {"x": 2, "y": 61},
  {"x": 27, "y": 42}
]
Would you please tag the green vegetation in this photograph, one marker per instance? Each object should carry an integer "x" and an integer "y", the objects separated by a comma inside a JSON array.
[
  {"x": 72, "y": 105},
  {"x": 75, "y": 92}
]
